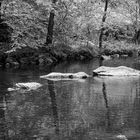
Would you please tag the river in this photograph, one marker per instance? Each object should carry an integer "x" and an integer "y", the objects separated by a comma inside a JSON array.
[{"x": 91, "y": 109}]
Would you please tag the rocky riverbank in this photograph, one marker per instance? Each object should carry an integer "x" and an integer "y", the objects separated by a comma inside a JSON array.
[
  {"x": 43, "y": 56},
  {"x": 40, "y": 56}
]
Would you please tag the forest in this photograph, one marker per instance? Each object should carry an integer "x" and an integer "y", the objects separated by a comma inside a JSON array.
[
  {"x": 69, "y": 70},
  {"x": 45, "y": 32}
]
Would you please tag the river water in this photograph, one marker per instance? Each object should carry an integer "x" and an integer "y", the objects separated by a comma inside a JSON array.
[{"x": 91, "y": 109}]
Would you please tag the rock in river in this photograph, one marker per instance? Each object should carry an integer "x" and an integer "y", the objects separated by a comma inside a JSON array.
[
  {"x": 115, "y": 71},
  {"x": 25, "y": 86},
  {"x": 65, "y": 76}
]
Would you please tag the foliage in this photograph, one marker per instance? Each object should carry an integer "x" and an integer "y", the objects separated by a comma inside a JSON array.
[
  {"x": 74, "y": 20},
  {"x": 119, "y": 47},
  {"x": 27, "y": 23}
]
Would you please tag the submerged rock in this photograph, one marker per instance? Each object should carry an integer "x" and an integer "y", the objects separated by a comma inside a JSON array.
[
  {"x": 65, "y": 76},
  {"x": 25, "y": 86},
  {"x": 115, "y": 71}
]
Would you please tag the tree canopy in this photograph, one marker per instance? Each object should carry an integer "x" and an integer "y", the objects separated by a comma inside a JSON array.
[{"x": 74, "y": 20}]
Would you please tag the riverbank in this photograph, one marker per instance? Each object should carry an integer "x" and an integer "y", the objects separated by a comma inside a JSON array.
[
  {"x": 120, "y": 48},
  {"x": 53, "y": 54},
  {"x": 46, "y": 55}
]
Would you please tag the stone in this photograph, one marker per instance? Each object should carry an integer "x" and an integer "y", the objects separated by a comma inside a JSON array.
[
  {"x": 124, "y": 56},
  {"x": 9, "y": 60},
  {"x": 24, "y": 61},
  {"x": 25, "y": 86},
  {"x": 121, "y": 137},
  {"x": 115, "y": 71},
  {"x": 7, "y": 65},
  {"x": 105, "y": 57},
  {"x": 115, "y": 56},
  {"x": 48, "y": 61},
  {"x": 41, "y": 56},
  {"x": 65, "y": 76},
  {"x": 41, "y": 61},
  {"x": 15, "y": 64},
  {"x": 82, "y": 57}
]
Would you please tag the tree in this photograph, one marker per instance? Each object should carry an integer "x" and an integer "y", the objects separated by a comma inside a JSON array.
[
  {"x": 102, "y": 26},
  {"x": 137, "y": 30},
  {"x": 0, "y": 10},
  {"x": 51, "y": 24}
]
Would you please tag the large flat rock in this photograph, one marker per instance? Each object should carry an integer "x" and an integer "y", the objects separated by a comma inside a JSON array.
[
  {"x": 65, "y": 76},
  {"x": 115, "y": 71},
  {"x": 25, "y": 86}
]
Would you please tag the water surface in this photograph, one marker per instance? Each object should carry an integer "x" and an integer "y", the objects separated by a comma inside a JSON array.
[{"x": 92, "y": 109}]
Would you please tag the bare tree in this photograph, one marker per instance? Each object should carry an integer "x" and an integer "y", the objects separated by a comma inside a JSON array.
[
  {"x": 51, "y": 25},
  {"x": 102, "y": 26}
]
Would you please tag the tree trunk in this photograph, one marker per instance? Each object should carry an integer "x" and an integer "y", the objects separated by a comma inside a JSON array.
[
  {"x": 5, "y": 30},
  {"x": 137, "y": 30},
  {"x": 138, "y": 1},
  {"x": 0, "y": 11},
  {"x": 102, "y": 27},
  {"x": 49, "y": 38},
  {"x": 50, "y": 28}
]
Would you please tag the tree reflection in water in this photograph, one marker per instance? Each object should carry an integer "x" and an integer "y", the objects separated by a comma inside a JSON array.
[
  {"x": 3, "y": 107},
  {"x": 51, "y": 90},
  {"x": 3, "y": 133},
  {"x": 136, "y": 107},
  {"x": 106, "y": 105}
]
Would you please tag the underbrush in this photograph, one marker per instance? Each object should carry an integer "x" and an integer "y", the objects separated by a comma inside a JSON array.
[
  {"x": 47, "y": 55},
  {"x": 75, "y": 51},
  {"x": 119, "y": 47}
]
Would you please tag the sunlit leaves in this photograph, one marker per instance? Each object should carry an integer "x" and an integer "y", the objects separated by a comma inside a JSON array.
[
  {"x": 28, "y": 24},
  {"x": 74, "y": 19}
]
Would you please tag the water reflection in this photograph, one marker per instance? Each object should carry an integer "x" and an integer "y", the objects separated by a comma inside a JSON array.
[
  {"x": 51, "y": 90},
  {"x": 107, "y": 106},
  {"x": 96, "y": 108},
  {"x": 136, "y": 107},
  {"x": 4, "y": 96},
  {"x": 3, "y": 128}
]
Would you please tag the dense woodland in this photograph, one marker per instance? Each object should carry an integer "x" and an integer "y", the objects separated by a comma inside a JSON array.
[{"x": 42, "y": 32}]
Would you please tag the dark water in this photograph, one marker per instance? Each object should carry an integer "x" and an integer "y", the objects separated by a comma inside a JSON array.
[{"x": 92, "y": 109}]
